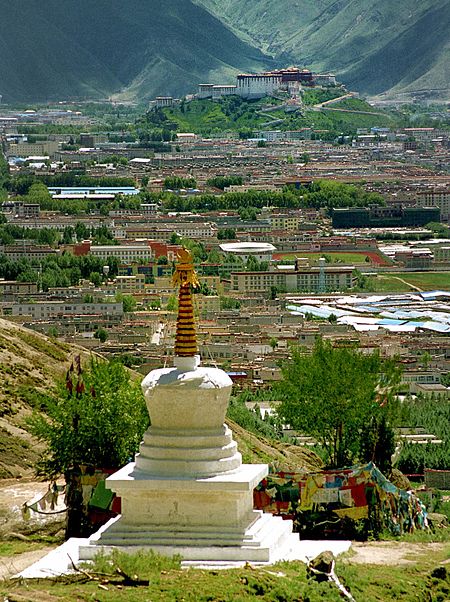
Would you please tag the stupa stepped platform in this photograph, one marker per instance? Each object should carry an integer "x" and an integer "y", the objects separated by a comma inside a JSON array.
[{"x": 268, "y": 539}]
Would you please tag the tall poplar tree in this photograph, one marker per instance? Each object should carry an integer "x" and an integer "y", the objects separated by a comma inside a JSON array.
[{"x": 342, "y": 397}]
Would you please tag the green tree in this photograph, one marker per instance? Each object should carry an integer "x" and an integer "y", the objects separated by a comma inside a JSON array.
[
  {"x": 439, "y": 230},
  {"x": 172, "y": 303},
  {"x": 129, "y": 302},
  {"x": 305, "y": 158},
  {"x": 176, "y": 182},
  {"x": 38, "y": 193},
  {"x": 334, "y": 393},
  {"x": 425, "y": 359},
  {"x": 223, "y": 182},
  {"x": 68, "y": 234},
  {"x": 95, "y": 278},
  {"x": 101, "y": 334},
  {"x": 97, "y": 417},
  {"x": 175, "y": 239},
  {"x": 229, "y": 303},
  {"x": 81, "y": 231},
  {"x": 226, "y": 234}
]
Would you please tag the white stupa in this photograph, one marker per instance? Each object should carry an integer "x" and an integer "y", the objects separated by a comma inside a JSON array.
[{"x": 188, "y": 492}]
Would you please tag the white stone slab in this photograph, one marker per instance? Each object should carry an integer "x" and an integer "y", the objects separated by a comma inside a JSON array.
[
  {"x": 246, "y": 478},
  {"x": 57, "y": 562}
]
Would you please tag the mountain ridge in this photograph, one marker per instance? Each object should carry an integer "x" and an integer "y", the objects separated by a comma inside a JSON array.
[
  {"x": 93, "y": 50},
  {"x": 62, "y": 50},
  {"x": 360, "y": 40}
]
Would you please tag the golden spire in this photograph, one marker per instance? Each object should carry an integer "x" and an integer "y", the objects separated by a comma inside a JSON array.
[{"x": 186, "y": 278}]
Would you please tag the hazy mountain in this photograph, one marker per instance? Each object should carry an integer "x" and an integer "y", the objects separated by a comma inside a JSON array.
[
  {"x": 141, "y": 48},
  {"x": 374, "y": 45},
  {"x": 137, "y": 48}
]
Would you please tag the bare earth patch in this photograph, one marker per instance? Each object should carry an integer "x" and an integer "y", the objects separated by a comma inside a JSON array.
[
  {"x": 392, "y": 553},
  {"x": 13, "y": 494},
  {"x": 11, "y": 565}
]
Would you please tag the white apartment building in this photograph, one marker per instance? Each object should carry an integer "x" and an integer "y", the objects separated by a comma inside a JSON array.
[
  {"x": 163, "y": 231},
  {"x": 130, "y": 284},
  {"x": 47, "y": 310},
  {"x": 38, "y": 149},
  {"x": 125, "y": 253},
  {"x": 436, "y": 197},
  {"x": 307, "y": 280}
]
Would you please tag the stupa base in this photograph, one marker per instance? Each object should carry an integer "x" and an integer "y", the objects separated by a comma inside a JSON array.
[
  {"x": 202, "y": 519},
  {"x": 270, "y": 539}
]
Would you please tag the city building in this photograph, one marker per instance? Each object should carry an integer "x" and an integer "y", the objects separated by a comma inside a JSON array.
[
  {"x": 307, "y": 279},
  {"x": 218, "y": 91},
  {"x": 82, "y": 192},
  {"x": 164, "y": 101},
  {"x": 244, "y": 250},
  {"x": 442, "y": 254},
  {"x": 12, "y": 288},
  {"x": 130, "y": 284},
  {"x": 377, "y": 216},
  {"x": 285, "y": 135},
  {"x": 257, "y": 85},
  {"x": 26, "y": 250},
  {"x": 21, "y": 209},
  {"x": 46, "y": 310},
  {"x": 37, "y": 149},
  {"x": 436, "y": 197},
  {"x": 125, "y": 253}
]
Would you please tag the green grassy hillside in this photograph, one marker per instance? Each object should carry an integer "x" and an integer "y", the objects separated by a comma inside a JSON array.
[
  {"x": 373, "y": 46},
  {"x": 235, "y": 114},
  {"x": 32, "y": 364},
  {"x": 139, "y": 48}
]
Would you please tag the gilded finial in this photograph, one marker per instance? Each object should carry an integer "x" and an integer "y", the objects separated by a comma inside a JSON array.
[{"x": 185, "y": 277}]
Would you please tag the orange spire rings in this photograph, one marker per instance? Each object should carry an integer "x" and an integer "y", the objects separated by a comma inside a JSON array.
[{"x": 186, "y": 335}]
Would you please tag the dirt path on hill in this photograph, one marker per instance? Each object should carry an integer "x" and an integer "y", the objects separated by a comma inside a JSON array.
[
  {"x": 11, "y": 565},
  {"x": 412, "y": 286},
  {"x": 13, "y": 494},
  {"x": 392, "y": 553}
]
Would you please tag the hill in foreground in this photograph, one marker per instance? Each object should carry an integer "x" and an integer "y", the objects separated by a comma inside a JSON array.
[{"x": 32, "y": 363}]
